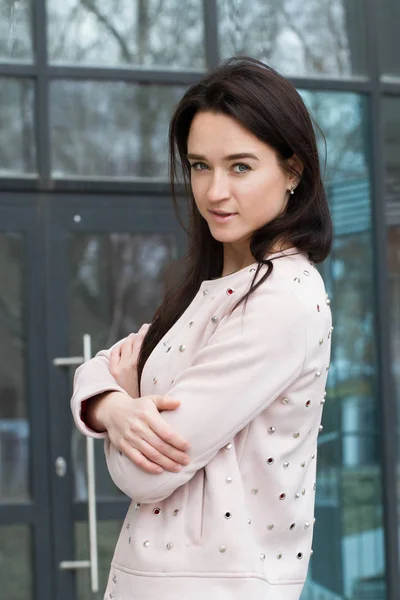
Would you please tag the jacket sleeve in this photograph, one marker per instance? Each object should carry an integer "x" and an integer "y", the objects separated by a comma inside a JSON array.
[
  {"x": 251, "y": 358},
  {"x": 90, "y": 379}
]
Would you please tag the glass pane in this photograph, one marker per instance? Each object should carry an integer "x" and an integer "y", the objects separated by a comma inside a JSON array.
[
  {"x": 116, "y": 283},
  {"x": 127, "y": 32},
  {"x": 16, "y": 563},
  {"x": 389, "y": 14},
  {"x": 123, "y": 133},
  {"x": 391, "y": 108},
  {"x": 107, "y": 536},
  {"x": 17, "y": 140},
  {"x": 317, "y": 37},
  {"x": 348, "y": 560},
  {"x": 15, "y": 30},
  {"x": 14, "y": 426}
]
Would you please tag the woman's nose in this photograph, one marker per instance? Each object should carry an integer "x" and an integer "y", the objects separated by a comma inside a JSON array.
[{"x": 218, "y": 189}]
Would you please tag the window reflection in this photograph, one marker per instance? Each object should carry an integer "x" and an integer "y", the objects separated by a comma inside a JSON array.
[
  {"x": 391, "y": 111},
  {"x": 16, "y": 562},
  {"x": 122, "y": 133},
  {"x": 317, "y": 37},
  {"x": 127, "y": 32},
  {"x": 348, "y": 559},
  {"x": 15, "y": 30},
  {"x": 14, "y": 427},
  {"x": 17, "y": 142}
]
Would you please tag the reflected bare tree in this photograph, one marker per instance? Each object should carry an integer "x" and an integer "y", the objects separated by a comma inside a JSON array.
[
  {"x": 15, "y": 30},
  {"x": 126, "y": 32},
  {"x": 319, "y": 37},
  {"x": 117, "y": 281}
]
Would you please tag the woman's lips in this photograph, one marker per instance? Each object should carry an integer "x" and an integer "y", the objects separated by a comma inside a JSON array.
[{"x": 222, "y": 217}]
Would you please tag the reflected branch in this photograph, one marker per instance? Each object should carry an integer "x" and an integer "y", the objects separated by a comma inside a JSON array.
[
  {"x": 91, "y": 6},
  {"x": 70, "y": 22},
  {"x": 314, "y": 60}
]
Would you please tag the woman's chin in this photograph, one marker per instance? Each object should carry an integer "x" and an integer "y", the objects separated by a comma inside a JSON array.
[
  {"x": 223, "y": 233},
  {"x": 224, "y": 236}
]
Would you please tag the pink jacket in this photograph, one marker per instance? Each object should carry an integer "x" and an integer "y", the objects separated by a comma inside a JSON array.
[{"x": 237, "y": 522}]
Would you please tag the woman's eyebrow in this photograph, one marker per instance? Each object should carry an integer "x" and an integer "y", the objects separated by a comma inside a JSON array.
[{"x": 229, "y": 157}]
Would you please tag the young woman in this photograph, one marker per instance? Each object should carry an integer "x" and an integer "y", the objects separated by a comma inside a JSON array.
[{"x": 212, "y": 429}]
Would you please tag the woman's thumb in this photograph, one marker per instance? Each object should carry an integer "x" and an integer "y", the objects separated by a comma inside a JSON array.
[{"x": 166, "y": 402}]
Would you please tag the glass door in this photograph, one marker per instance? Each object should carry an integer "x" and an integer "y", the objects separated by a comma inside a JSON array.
[
  {"x": 108, "y": 264},
  {"x": 25, "y": 532}
]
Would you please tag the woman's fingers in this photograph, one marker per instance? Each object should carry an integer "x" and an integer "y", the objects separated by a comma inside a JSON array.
[
  {"x": 140, "y": 460},
  {"x": 140, "y": 435},
  {"x": 115, "y": 357},
  {"x": 164, "y": 449},
  {"x": 127, "y": 347},
  {"x": 156, "y": 457},
  {"x": 163, "y": 431},
  {"x": 137, "y": 346},
  {"x": 128, "y": 351}
]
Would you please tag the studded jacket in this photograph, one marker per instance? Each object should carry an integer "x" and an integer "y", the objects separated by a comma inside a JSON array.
[{"x": 237, "y": 522}]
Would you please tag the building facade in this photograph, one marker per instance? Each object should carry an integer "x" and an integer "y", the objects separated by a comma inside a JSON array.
[{"x": 87, "y": 234}]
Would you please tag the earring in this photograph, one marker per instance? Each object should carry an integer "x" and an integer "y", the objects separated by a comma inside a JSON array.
[{"x": 292, "y": 190}]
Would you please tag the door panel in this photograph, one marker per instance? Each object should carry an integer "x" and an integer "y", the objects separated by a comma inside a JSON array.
[
  {"x": 107, "y": 271},
  {"x": 25, "y": 542},
  {"x": 69, "y": 266}
]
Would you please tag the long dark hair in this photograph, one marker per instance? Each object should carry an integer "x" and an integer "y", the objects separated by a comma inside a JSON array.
[{"x": 268, "y": 106}]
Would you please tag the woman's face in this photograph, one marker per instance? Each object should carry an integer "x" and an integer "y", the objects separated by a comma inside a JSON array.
[{"x": 237, "y": 182}]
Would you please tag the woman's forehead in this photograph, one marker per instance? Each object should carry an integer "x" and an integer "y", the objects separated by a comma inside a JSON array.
[{"x": 221, "y": 134}]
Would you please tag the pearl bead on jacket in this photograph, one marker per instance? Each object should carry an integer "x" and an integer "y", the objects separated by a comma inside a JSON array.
[{"x": 237, "y": 522}]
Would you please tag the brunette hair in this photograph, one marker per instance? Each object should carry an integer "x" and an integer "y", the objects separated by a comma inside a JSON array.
[{"x": 270, "y": 107}]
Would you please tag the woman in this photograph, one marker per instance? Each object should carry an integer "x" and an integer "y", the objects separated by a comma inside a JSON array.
[{"x": 218, "y": 448}]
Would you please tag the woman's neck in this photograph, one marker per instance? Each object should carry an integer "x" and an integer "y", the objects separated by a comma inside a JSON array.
[{"x": 236, "y": 259}]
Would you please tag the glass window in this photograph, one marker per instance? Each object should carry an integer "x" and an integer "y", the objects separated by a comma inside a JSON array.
[
  {"x": 116, "y": 283},
  {"x": 14, "y": 427},
  {"x": 15, "y": 30},
  {"x": 389, "y": 14},
  {"x": 127, "y": 32},
  {"x": 348, "y": 559},
  {"x": 317, "y": 37},
  {"x": 16, "y": 562},
  {"x": 110, "y": 129},
  {"x": 17, "y": 141},
  {"x": 391, "y": 115}
]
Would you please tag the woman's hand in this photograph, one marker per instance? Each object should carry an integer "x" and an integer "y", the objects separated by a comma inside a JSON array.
[
  {"x": 124, "y": 361},
  {"x": 137, "y": 429}
]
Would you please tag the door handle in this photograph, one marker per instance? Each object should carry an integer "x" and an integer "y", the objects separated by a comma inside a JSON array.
[
  {"x": 93, "y": 562},
  {"x": 91, "y": 475}
]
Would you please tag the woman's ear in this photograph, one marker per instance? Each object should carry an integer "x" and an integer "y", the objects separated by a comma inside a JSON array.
[{"x": 296, "y": 167}]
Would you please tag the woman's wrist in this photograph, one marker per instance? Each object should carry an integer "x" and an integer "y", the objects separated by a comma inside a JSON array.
[{"x": 95, "y": 411}]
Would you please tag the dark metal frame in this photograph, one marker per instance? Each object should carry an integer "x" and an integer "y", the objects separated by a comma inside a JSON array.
[
  {"x": 375, "y": 86},
  {"x": 385, "y": 384}
]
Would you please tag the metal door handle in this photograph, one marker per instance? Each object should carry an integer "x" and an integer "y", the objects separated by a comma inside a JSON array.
[
  {"x": 93, "y": 562},
  {"x": 91, "y": 474}
]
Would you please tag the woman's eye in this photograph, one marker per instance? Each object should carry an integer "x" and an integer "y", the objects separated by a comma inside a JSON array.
[
  {"x": 240, "y": 168},
  {"x": 199, "y": 166}
]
